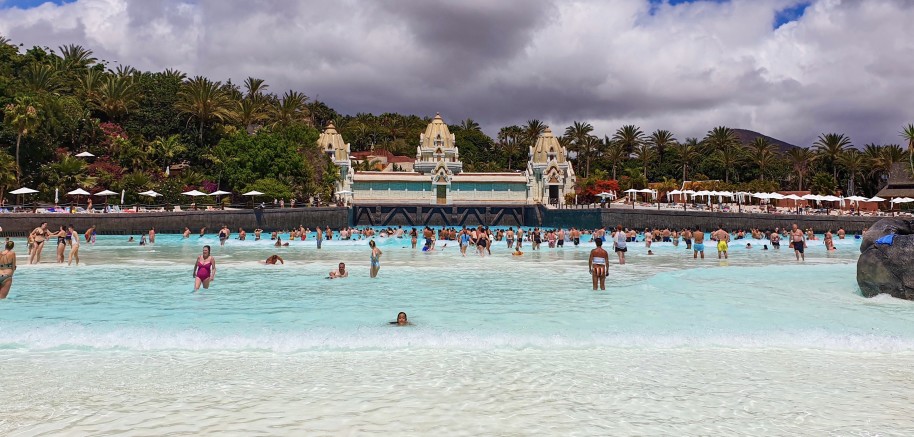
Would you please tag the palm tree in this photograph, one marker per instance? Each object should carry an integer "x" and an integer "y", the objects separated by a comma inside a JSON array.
[
  {"x": 7, "y": 172},
  {"x": 168, "y": 148},
  {"x": 725, "y": 144},
  {"x": 291, "y": 109},
  {"x": 687, "y": 153},
  {"x": 579, "y": 134},
  {"x": 41, "y": 78},
  {"x": 22, "y": 116},
  {"x": 205, "y": 101},
  {"x": 629, "y": 136},
  {"x": 75, "y": 57},
  {"x": 509, "y": 140},
  {"x": 614, "y": 153},
  {"x": 116, "y": 96},
  {"x": 255, "y": 88},
  {"x": 661, "y": 139},
  {"x": 853, "y": 161},
  {"x": 533, "y": 129},
  {"x": 908, "y": 135},
  {"x": 470, "y": 125},
  {"x": 646, "y": 153},
  {"x": 801, "y": 158},
  {"x": 763, "y": 154},
  {"x": 831, "y": 146}
]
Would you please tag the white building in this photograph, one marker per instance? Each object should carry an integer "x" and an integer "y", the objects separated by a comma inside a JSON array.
[{"x": 438, "y": 176}]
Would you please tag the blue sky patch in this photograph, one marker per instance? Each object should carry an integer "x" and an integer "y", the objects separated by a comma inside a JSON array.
[
  {"x": 26, "y": 4},
  {"x": 792, "y": 13}
]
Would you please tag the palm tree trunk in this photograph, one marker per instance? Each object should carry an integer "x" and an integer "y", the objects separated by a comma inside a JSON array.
[
  {"x": 18, "y": 171},
  {"x": 614, "y": 173},
  {"x": 683, "y": 173},
  {"x": 200, "y": 133}
]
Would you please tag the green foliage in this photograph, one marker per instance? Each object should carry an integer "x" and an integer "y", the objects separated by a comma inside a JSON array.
[
  {"x": 271, "y": 188},
  {"x": 823, "y": 183},
  {"x": 246, "y": 158}
]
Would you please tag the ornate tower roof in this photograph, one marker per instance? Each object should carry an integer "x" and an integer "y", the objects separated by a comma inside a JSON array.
[
  {"x": 437, "y": 135},
  {"x": 331, "y": 142},
  {"x": 547, "y": 147}
]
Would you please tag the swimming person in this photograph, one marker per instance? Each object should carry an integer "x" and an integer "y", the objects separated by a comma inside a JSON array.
[
  {"x": 186, "y": 233},
  {"x": 279, "y": 242},
  {"x": 375, "y": 258},
  {"x": 74, "y": 246},
  {"x": 340, "y": 272},
  {"x": 619, "y": 245},
  {"x": 38, "y": 235},
  {"x": 273, "y": 258},
  {"x": 597, "y": 265},
  {"x": 7, "y": 268},
  {"x": 204, "y": 269},
  {"x": 699, "y": 245},
  {"x": 223, "y": 235},
  {"x": 401, "y": 320}
]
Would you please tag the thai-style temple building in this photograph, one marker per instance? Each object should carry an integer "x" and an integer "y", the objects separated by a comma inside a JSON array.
[{"x": 437, "y": 175}]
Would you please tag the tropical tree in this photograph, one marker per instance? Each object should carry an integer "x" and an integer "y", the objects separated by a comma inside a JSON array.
[
  {"x": 533, "y": 129},
  {"x": 579, "y": 135},
  {"x": 76, "y": 57},
  {"x": 22, "y": 116},
  {"x": 116, "y": 96},
  {"x": 727, "y": 150},
  {"x": 255, "y": 88},
  {"x": 824, "y": 184},
  {"x": 645, "y": 152},
  {"x": 854, "y": 162},
  {"x": 908, "y": 135},
  {"x": 614, "y": 153},
  {"x": 470, "y": 125},
  {"x": 687, "y": 153},
  {"x": 661, "y": 139},
  {"x": 204, "y": 100},
  {"x": 510, "y": 141},
  {"x": 629, "y": 136},
  {"x": 290, "y": 109},
  {"x": 763, "y": 154},
  {"x": 7, "y": 173},
  {"x": 801, "y": 159},
  {"x": 41, "y": 78},
  {"x": 168, "y": 148},
  {"x": 830, "y": 147}
]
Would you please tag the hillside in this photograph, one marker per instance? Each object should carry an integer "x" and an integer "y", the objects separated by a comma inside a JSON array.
[{"x": 747, "y": 136}]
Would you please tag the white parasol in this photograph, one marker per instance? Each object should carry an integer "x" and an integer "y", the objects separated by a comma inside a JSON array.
[
  {"x": 253, "y": 193},
  {"x": 85, "y": 155}
]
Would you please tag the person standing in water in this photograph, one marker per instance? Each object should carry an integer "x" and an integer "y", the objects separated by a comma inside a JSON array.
[
  {"x": 619, "y": 244},
  {"x": 74, "y": 246},
  {"x": 7, "y": 268},
  {"x": 723, "y": 239},
  {"x": 39, "y": 235},
  {"x": 320, "y": 236},
  {"x": 798, "y": 243},
  {"x": 375, "y": 258},
  {"x": 699, "y": 246},
  {"x": 204, "y": 269},
  {"x": 152, "y": 235},
  {"x": 401, "y": 320},
  {"x": 186, "y": 233},
  {"x": 597, "y": 265}
]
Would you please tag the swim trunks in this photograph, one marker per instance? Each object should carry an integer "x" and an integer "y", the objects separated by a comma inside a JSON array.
[
  {"x": 798, "y": 246},
  {"x": 721, "y": 246},
  {"x": 699, "y": 247}
]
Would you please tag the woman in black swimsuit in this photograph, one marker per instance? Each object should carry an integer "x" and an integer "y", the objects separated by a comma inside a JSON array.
[{"x": 62, "y": 238}]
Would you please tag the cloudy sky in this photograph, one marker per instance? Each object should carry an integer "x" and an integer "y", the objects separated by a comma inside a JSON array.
[{"x": 791, "y": 69}]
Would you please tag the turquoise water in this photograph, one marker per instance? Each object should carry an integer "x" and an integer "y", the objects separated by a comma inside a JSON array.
[{"x": 499, "y": 331}]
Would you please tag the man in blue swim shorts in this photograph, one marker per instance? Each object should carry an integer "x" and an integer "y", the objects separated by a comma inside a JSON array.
[{"x": 699, "y": 244}]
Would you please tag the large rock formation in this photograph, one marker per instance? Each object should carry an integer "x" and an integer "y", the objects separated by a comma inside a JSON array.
[{"x": 888, "y": 269}]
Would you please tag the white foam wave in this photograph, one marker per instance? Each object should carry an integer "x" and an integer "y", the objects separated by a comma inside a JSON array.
[{"x": 72, "y": 336}]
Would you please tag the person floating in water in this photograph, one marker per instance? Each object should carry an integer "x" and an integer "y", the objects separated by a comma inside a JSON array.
[
  {"x": 597, "y": 264},
  {"x": 273, "y": 259},
  {"x": 204, "y": 269},
  {"x": 401, "y": 320},
  {"x": 340, "y": 272},
  {"x": 375, "y": 258}
]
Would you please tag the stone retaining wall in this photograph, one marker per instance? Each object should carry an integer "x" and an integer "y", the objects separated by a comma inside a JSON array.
[
  {"x": 174, "y": 222},
  {"x": 673, "y": 219}
]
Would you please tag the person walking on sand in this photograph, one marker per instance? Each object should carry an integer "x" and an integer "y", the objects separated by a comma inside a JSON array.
[
  {"x": 375, "y": 258},
  {"x": 204, "y": 269}
]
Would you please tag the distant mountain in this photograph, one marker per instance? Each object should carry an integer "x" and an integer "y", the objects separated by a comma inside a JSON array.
[{"x": 747, "y": 136}]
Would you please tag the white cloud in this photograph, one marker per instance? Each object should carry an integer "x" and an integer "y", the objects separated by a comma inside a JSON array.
[{"x": 843, "y": 66}]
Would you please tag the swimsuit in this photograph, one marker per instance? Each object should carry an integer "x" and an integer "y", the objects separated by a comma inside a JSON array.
[
  {"x": 699, "y": 247},
  {"x": 721, "y": 246},
  {"x": 203, "y": 270},
  {"x": 375, "y": 261},
  {"x": 6, "y": 277}
]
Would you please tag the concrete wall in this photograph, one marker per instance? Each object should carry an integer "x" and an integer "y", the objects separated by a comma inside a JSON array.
[
  {"x": 673, "y": 219},
  {"x": 174, "y": 222}
]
